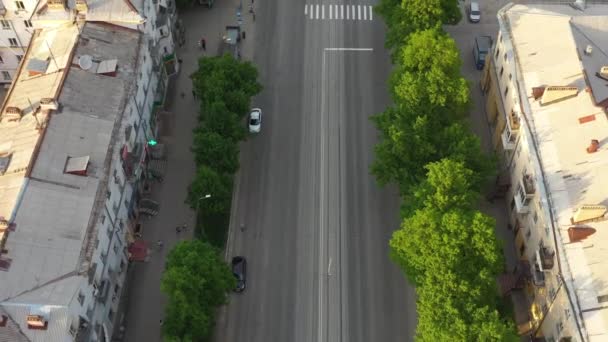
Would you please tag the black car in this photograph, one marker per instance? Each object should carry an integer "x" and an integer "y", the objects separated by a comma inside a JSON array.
[{"x": 239, "y": 269}]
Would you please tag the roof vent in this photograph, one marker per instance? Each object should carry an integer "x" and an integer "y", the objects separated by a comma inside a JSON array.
[
  {"x": 588, "y": 212},
  {"x": 12, "y": 114},
  {"x": 77, "y": 165},
  {"x": 557, "y": 93},
  {"x": 603, "y": 72},
  {"x": 81, "y": 6},
  {"x": 85, "y": 62},
  {"x": 107, "y": 67},
  {"x": 56, "y": 5},
  {"x": 588, "y": 50},
  {"x": 48, "y": 103},
  {"x": 5, "y": 161},
  {"x": 37, "y": 66}
]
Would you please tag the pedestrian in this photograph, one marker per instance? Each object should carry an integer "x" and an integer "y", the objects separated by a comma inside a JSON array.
[
  {"x": 161, "y": 322},
  {"x": 159, "y": 243},
  {"x": 193, "y": 93},
  {"x": 204, "y": 44},
  {"x": 179, "y": 60},
  {"x": 178, "y": 229},
  {"x": 242, "y": 227},
  {"x": 182, "y": 94}
]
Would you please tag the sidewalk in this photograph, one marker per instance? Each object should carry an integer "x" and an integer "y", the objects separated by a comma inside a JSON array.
[{"x": 143, "y": 300}]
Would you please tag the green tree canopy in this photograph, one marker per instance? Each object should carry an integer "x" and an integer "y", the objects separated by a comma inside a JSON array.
[
  {"x": 427, "y": 79},
  {"x": 216, "y": 151},
  {"x": 406, "y": 16},
  {"x": 227, "y": 79},
  {"x": 217, "y": 118},
  {"x": 196, "y": 281},
  {"x": 452, "y": 309},
  {"x": 457, "y": 240},
  {"x": 208, "y": 181}
]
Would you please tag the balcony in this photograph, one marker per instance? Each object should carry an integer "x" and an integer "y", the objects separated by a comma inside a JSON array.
[
  {"x": 546, "y": 257},
  {"x": 527, "y": 184},
  {"x": 538, "y": 276},
  {"x": 513, "y": 121},
  {"x": 509, "y": 139}
]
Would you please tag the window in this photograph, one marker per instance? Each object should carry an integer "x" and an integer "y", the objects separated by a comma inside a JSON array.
[
  {"x": 506, "y": 91},
  {"x": 115, "y": 248},
  {"x": 111, "y": 314},
  {"x": 103, "y": 219},
  {"x": 5, "y": 24},
  {"x": 505, "y": 57},
  {"x": 510, "y": 77},
  {"x": 80, "y": 298},
  {"x": 19, "y": 57},
  {"x": 502, "y": 71},
  {"x": 6, "y": 75},
  {"x": 20, "y": 5},
  {"x": 497, "y": 53},
  {"x": 602, "y": 299},
  {"x": 27, "y": 23},
  {"x": 528, "y": 234},
  {"x": 108, "y": 194},
  {"x": 1, "y": 60},
  {"x": 535, "y": 218}
]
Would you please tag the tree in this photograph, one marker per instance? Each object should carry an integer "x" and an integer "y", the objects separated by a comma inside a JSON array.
[
  {"x": 214, "y": 150},
  {"x": 457, "y": 240},
  {"x": 445, "y": 233},
  {"x": 196, "y": 281},
  {"x": 448, "y": 185},
  {"x": 452, "y": 309},
  {"x": 227, "y": 79},
  {"x": 427, "y": 79},
  {"x": 403, "y": 17},
  {"x": 207, "y": 181},
  {"x": 217, "y": 118}
]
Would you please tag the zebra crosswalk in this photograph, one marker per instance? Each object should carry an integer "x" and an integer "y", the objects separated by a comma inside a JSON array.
[{"x": 338, "y": 12}]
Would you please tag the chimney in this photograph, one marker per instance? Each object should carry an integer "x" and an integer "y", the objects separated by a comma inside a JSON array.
[
  {"x": 81, "y": 6},
  {"x": 56, "y": 5},
  {"x": 595, "y": 145}
]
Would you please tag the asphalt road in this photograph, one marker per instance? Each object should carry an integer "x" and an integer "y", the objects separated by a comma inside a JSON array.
[{"x": 317, "y": 225}]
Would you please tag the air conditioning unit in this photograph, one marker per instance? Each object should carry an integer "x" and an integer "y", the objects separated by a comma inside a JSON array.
[
  {"x": 588, "y": 50},
  {"x": 48, "y": 103},
  {"x": 604, "y": 71}
]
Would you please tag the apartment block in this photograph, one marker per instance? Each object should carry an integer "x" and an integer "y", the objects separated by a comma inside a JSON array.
[
  {"x": 546, "y": 88},
  {"x": 79, "y": 153}
]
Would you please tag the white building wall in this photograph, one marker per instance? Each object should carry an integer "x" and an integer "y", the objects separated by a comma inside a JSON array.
[{"x": 15, "y": 34}]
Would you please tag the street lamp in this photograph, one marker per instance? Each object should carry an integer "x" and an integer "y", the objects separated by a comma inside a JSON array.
[{"x": 199, "y": 201}]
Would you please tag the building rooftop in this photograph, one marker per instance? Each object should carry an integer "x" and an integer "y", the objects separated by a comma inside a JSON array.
[
  {"x": 52, "y": 203},
  {"x": 114, "y": 11},
  {"x": 550, "y": 43}
]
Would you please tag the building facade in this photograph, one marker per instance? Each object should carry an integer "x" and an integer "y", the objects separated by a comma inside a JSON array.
[
  {"x": 15, "y": 35},
  {"x": 78, "y": 156},
  {"x": 546, "y": 98}
]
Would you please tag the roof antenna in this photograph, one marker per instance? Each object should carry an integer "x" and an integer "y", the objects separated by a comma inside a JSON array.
[{"x": 51, "y": 53}]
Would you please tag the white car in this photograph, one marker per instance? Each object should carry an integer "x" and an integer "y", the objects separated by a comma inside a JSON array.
[
  {"x": 474, "y": 12},
  {"x": 255, "y": 120}
]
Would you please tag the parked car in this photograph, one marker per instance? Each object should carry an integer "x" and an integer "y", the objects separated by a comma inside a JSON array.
[
  {"x": 473, "y": 12},
  {"x": 483, "y": 45},
  {"x": 239, "y": 269},
  {"x": 255, "y": 120}
]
